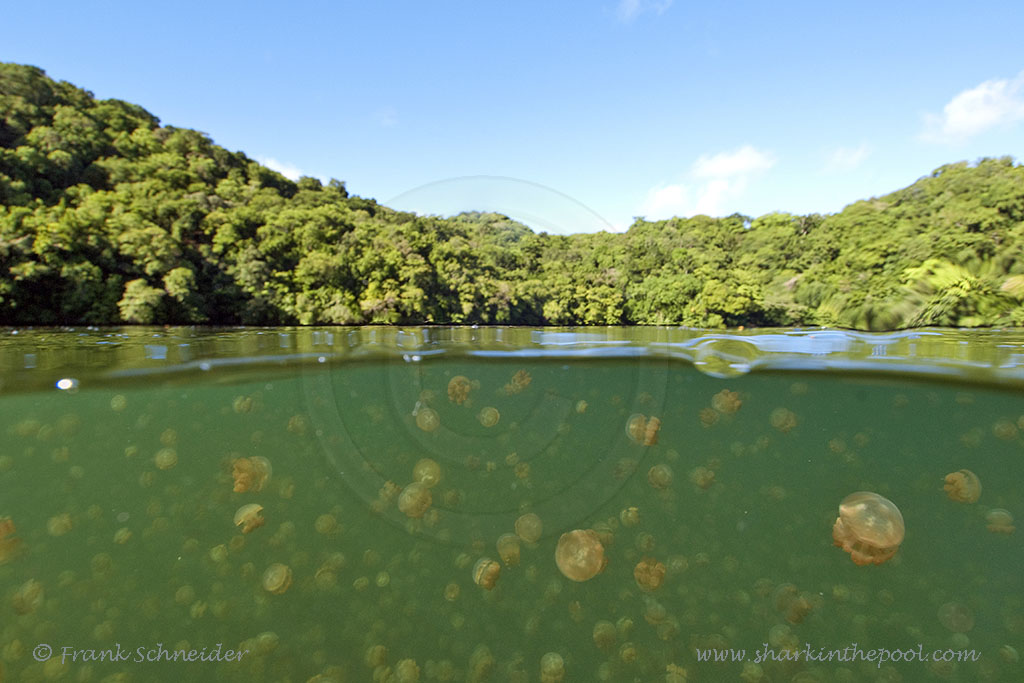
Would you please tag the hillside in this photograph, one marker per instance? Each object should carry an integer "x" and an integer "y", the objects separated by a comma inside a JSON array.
[{"x": 107, "y": 217}]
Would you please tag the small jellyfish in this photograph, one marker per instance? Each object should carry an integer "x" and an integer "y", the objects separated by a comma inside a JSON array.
[
  {"x": 605, "y": 635},
  {"x": 249, "y": 517},
  {"x": 458, "y": 389},
  {"x": 635, "y": 425},
  {"x": 580, "y": 555},
  {"x": 165, "y": 458},
  {"x": 427, "y": 472},
  {"x": 508, "y": 549},
  {"x": 649, "y": 573},
  {"x": 518, "y": 383},
  {"x": 783, "y": 419},
  {"x": 427, "y": 418},
  {"x": 28, "y": 597},
  {"x": 489, "y": 416},
  {"x": 250, "y": 474},
  {"x": 529, "y": 527},
  {"x": 9, "y": 544},
  {"x": 581, "y": 407},
  {"x": 552, "y": 668},
  {"x": 957, "y": 617},
  {"x": 486, "y": 572},
  {"x": 999, "y": 521},
  {"x": 869, "y": 527},
  {"x": 630, "y": 516},
  {"x": 726, "y": 402},
  {"x": 963, "y": 486},
  {"x": 660, "y": 476},
  {"x": 702, "y": 477},
  {"x": 651, "y": 431},
  {"x": 58, "y": 525},
  {"x": 415, "y": 500},
  {"x": 277, "y": 578}
]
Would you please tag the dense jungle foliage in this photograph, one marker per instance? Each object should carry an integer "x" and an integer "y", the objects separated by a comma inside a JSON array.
[{"x": 106, "y": 217}]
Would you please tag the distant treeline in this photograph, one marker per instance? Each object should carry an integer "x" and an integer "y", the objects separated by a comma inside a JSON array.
[{"x": 107, "y": 217}]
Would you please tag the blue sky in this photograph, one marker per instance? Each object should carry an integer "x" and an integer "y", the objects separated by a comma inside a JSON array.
[{"x": 572, "y": 116}]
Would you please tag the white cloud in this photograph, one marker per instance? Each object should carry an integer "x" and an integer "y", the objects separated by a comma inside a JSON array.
[
  {"x": 993, "y": 103},
  {"x": 847, "y": 158},
  {"x": 287, "y": 170},
  {"x": 628, "y": 10},
  {"x": 711, "y": 184}
]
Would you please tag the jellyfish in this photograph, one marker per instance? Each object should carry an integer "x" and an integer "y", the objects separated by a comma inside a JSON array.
[
  {"x": 427, "y": 472},
  {"x": 957, "y": 617},
  {"x": 635, "y": 426},
  {"x": 518, "y": 383},
  {"x": 28, "y": 597},
  {"x": 529, "y": 527},
  {"x": 489, "y": 416},
  {"x": 508, "y": 549},
  {"x": 726, "y": 402},
  {"x": 999, "y": 521},
  {"x": 869, "y": 527},
  {"x": 9, "y": 545},
  {"x": 427, "y": 418},
  {"x": 458, "y": 389},
  {"x": 250, "y": 474},
  {"x": 552, "y": 668},
  {"x": 660, "y": 476},
  {"x": 651, "y": 431},
  {"x": 486, "y": 572},
  {"x": 248, "y": 517},
  {"x": 963, "y": 486},
  {"x": 580, "y": 555},
  {"x": 649, "y": 573},
  {"x": 605, "y": 635},
  {"x": 165, "y": 458},
  {"x": 277, "y": 578},
  {"x": 415, "y": 500},
  {"x": 783, "y": 419}
]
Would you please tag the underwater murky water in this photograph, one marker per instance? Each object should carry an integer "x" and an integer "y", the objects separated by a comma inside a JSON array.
[{"x": 384, "y": 466}]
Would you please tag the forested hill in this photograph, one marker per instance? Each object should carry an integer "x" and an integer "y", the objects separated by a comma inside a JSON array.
[{"x": 107, "y": 217}]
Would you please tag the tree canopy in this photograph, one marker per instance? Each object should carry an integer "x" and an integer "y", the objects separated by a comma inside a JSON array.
[{"x": 107, "y": 217}]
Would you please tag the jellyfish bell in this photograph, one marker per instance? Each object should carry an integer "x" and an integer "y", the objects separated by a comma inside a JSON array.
[
  {"x": 957, "y": 617},
  {"x": 249, "y": 517},
  {"x": 635, "y": 426},
  {"x": 580, "y": 555},
  {"x": 489, "y": 416},
  {"x": 651, "y": 431},
  {"x": 962, "y": 486},
  {"x": 529, "y": 527},
  {"x": 486, "y": 572},
  {"x": 508, "y": 549},
  {"x": 427, "y": 472},
  {"x": 250, "y": 474},
  {"x": 277, "y": 579},
  {"x": 459, "y": 387},
  {"x": 649, "y": 573},
  {"x": 552, "y": 668},
  {"x": 869, "y": 527},
  {"x": 415, "y": 500},
  {"x": 427, "y": 418},
  {"x": 999, "y": 521}
]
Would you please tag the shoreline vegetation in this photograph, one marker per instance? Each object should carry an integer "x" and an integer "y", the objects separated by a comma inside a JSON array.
[{"x": 107, "y": 217}]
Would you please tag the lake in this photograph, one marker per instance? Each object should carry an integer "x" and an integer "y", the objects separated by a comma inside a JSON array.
[{"x": 357, "y": 504}]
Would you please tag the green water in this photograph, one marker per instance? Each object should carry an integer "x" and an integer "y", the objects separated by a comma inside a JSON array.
[{"x": 112, "y": 552}]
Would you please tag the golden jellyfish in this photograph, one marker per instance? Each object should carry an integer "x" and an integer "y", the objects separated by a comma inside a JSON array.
[
  {"x": 489, "y": 416},
  {"x": 605, "y": 634},
  {"x": 957, "y": 617},
  {"x": 869, "y": 527},
  {"x": 659, "y": 476},
  {"x": 580, "y": 555},
  {"x": 963, "y": 486},
  {"x": 415, "y": 500},
  {"x": 649, "y": 573},
  {"x": 277, "y": 578},
  {"x": 702, "y": 477},
  {"x": 58, "y": 525},
  {"x": 28, "y": 597},
  {"x": 250, "y": 474},
  {"x": 630, "y": 516},
  {"x": 165, "y": 458},
  {"x": 783, "y": 419},
  {"x": 708, "y": 416},
  {"x": 552, "y": 668},
  {"x": 529, "y": 527},
  {"x": 518, "y": 383},
  {"x": 9, "y": 545},
  {"x": 427, "y": 418},
  {"x": 427, "y": 472},
  {"x": 635, "y": 425},
  {"x": 249, "y": 517},
  {"x": 486, "y": 572},
  {"x": 458, "y": 389},
  {"x": 999, "y": 521},
  {"x": 508, "y": 549},
  {"x": 726, "y": 402},
  {"x": 651, "y": 431}
]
